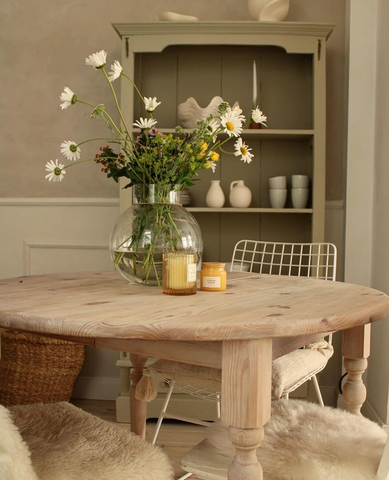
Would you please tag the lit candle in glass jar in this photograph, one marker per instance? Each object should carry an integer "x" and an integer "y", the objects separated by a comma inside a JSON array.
[{"x": 179, "y": 273}]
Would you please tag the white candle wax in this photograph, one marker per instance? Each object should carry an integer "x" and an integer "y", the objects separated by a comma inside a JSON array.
[
  {"x": 180, "y": 270},
  {"x": 255, "y": 93}
]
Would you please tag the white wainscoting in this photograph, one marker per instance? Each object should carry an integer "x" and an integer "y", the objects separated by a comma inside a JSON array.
[{"x": 53, "y": 235}]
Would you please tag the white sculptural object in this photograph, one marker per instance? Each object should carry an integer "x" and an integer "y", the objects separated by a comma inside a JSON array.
[
  {"x": 190, "y": 112},
  {"x": 268, "y": 10},
  {"x": 174, "y": 17}
]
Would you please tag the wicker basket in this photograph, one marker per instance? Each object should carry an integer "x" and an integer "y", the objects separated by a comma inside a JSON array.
[{"x": 37, "y": 369}]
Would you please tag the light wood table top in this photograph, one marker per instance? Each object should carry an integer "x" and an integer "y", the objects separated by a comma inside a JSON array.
[
  {"x": 240, "y": 330},
  {"x": 104, "y": 305}
]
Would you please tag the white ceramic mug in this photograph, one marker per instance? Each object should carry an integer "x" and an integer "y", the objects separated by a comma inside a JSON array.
[
  {"x": 278, "y": 197},
  {"x": 300, "y": 181},
  {"x": 277, "y": 182},
  {"x": 300, "y": 197}
]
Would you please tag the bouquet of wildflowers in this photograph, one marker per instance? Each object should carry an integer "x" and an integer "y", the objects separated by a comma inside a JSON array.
[{"x": 143, "y": 154}]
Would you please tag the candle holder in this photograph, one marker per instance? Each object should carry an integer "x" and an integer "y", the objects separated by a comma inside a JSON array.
[{"x": 179, "y": 273}]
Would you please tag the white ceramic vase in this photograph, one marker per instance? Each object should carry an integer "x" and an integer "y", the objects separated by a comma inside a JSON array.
[
  {"x": 268, "y": 10},
  {"x": 215, "y": 196},
  {"x": 240, "y": 195}
]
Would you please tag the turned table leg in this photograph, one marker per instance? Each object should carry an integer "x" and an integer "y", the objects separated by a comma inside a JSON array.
[
  {"x": 246, "y": 401},
  {"x": 138, "y": 408},
  {"x": 356, "y": 350}
]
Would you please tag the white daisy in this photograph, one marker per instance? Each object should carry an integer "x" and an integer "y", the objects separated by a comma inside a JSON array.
[
  {"x": 68, "y": 98},
  {"x": 258, "y": 116},
  {"x": 236, "y": 109},
  {"x": 116, "y": 71},
  {"x": 71, "y": 150},
  {"x": 231, "y": 123},
  {"x": 97, "y": 60},
  {"x": 151, "y": 103},
  {"x": 213, "y": 165},
  {"x": 56, "y": 171},
  {"x": 243, "y": 151},
  {"x": 145, "y": 123}
]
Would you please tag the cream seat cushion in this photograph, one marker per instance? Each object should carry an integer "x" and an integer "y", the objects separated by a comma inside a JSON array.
[
  {"x": 286, "y": 370},
  {"x": 67, "y": 443}
]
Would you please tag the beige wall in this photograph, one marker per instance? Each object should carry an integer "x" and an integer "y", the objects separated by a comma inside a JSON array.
[
  {"x": 378, "y": 378},
  {"x": 367, "y": 220},
  {"x": 44, "y": 44}
]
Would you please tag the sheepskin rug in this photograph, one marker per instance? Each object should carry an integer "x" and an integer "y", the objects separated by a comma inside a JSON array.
[
  {"x": 304, "y": 441},
  {"x": 67, "y": 443},
  {"x": 15, "y": 461}
]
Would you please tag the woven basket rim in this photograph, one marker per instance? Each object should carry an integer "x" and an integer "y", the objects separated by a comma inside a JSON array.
[{"x": 33, "y": 338}]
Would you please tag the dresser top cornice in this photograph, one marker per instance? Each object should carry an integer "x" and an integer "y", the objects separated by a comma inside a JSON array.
[{"x": 322, "y": 30}]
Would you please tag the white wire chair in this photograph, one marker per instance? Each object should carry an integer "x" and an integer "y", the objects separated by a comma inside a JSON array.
[{"x": 317, "y": 260}]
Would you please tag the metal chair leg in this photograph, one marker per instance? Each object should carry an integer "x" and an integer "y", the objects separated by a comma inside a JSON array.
[
  {"x": 162, "y": 413},
  {"x": 185, "y": 476},
  {"x": 317, "y": 389},
  {"x": 218, "y": 408}
]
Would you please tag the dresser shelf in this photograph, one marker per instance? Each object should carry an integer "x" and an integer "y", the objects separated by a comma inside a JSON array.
[
  {"x": 254, "y": 134},
  {"x": 248, "y": 210}
]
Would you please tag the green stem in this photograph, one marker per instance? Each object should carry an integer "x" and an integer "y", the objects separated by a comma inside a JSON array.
[
  {"x": 225, "y": 151},
  {"x": 134, "y": 85},
  {"x": 120, "y": 134},
  {"x": 76, "y": 163},
  {"x": 110, "y": 139},
  {"x": 116, "y": 101}
]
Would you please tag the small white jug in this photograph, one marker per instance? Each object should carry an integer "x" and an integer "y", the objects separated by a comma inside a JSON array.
[
  {"x": 215, "y": 196},
  {"x": 240, "y": 195}
]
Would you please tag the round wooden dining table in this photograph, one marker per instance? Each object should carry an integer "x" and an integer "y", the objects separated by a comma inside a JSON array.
[{"x": 240, "y": 330}]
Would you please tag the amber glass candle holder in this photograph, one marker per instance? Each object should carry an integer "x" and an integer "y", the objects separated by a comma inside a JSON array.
[
  {"x": 179, "y": 273},
  {"x": 213, "y": 277}
]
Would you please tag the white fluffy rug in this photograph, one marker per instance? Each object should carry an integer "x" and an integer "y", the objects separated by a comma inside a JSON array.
[
  {"x": 15, "y": 462},
  {"x": 304, "y": 441},
  {"x": 68, "y": 444}
]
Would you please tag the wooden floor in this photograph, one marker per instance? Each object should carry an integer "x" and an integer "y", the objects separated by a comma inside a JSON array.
[{"x": 175, "y": 438}]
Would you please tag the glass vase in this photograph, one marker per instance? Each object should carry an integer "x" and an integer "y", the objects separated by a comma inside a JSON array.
[{"x": 155, "y": 224}]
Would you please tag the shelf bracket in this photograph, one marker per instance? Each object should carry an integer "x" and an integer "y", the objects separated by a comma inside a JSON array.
[
  {"x": 127, "y": 47},
  {"x": 319, "y": 49}
]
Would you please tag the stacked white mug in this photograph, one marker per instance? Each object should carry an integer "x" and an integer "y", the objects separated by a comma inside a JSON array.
[
  {"x": 300, "y": 191},
  {"x": 278, "y": 191}
]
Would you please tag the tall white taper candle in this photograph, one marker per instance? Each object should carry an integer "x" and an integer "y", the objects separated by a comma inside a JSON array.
[{"x": 255, "y": 93}]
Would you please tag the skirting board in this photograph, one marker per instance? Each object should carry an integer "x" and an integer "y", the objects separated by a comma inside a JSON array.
[
  {"x": 368, "y": 411},
  {"x": 327, "y": 392},
  {"x": 96, "y": 388},
  {"x": 180, "y": 404}
]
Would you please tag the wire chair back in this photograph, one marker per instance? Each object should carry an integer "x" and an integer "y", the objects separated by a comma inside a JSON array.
[{"x": 317, "y": 260}]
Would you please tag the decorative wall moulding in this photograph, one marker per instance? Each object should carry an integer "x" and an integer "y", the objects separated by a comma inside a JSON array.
[{"x": 59, "y": 202}]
